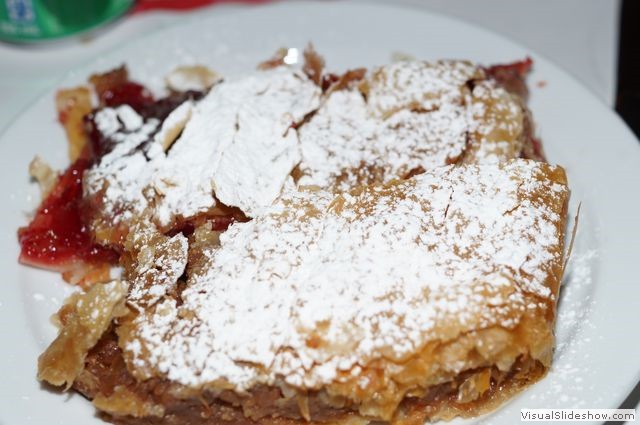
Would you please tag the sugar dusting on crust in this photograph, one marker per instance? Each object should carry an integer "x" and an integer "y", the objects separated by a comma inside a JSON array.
[
  {"x": 160, "y": 261},
  {"x": 496, "y": 124},
  {"x": 343, "y": 145},
  {"x": 289, "y": 295},
  {"x": 408, "y": 117},
  {"x": 321, "y": 284},
  {"x": 237, "y": 142},
  {"x": 418, "y": 85}
]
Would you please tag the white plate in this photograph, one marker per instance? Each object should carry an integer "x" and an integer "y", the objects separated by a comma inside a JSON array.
[{"x": 596, "y": 362}]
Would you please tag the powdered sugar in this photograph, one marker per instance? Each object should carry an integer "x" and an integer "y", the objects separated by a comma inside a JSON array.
[
  {"x": 418, "y": 85},
  {"x": 237, "y": 142},
  {"x": 408, "y": 117},
  {"x": 161, "y": 261},
  {"x": 344, "y": 145},
  {"x": 121, "y": 174},
  {"x": 364, "y": 275},
  {"x": 496, "y": 124}
]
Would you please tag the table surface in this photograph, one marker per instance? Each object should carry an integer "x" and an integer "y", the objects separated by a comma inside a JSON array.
[{"x": 581, "y": 36}]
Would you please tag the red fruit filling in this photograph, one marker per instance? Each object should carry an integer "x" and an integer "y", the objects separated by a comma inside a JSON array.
[
  {"x": 133, "y": 94},
  {"x": 512, "y": 76},
  {"x": 58, "y": 237},
  {"x": 519, "y": 68}
]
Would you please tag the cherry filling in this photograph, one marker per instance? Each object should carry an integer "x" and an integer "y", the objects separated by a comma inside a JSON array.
[
  {"x": 133, "y": 94},
  {"x": 58, "y": 237},
  {"x": 520, "y": 68}
]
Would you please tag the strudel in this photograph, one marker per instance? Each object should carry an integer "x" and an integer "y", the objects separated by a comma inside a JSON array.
[
  {"x": 416, "y": 300},
  {"x": 301, "y": 246}
]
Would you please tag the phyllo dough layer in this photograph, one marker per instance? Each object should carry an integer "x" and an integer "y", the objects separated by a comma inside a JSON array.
[{"x": 419, "y": 299}]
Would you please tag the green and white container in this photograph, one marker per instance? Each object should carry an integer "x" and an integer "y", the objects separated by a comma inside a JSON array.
[{"x": 38, "y": 20}]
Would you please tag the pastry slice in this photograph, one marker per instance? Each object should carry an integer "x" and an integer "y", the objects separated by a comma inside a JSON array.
[{"x": 419, "y": 299}]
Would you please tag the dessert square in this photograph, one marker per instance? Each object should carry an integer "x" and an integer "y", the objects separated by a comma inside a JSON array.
[
  {"x": 296, "y": 245},
  {"x": 423, "y": 298}
]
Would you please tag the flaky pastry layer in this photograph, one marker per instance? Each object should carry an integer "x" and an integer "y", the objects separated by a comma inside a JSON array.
[{"x": 463, "y": 304}]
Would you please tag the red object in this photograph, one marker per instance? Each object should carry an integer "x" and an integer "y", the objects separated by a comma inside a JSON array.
[
  {"x": 521, "y": 68},
  {"x": 537, "y": 149},
  {"x": 133, "y": 94},
  {"x": 181, "y": 5},
  {"x": 57, "y": 238},
  {"x": 222, "y": 222},
  {"x": 328, "y": 80},
  {"x": 219, "y": 223},
  {"x": 512, "y": 76}
]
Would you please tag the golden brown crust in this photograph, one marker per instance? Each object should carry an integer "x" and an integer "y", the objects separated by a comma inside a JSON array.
[
  {"x": 84, "y": 319},
  {"x": 501, "y": 132},
  {"x": 72, "y": 106},
  {"x": 106, "y": 374},
  {"x": 466, "y": 370}
]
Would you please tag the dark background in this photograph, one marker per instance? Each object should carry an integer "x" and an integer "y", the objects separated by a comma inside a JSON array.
[
  {"x": 628, "y": 93},
  {"x": 628, "y": 102}
]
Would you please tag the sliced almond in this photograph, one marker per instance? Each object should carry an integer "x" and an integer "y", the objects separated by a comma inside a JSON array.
[
  {"x": 173, "y": 125},
  {"x": 194, "y": 77}
]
